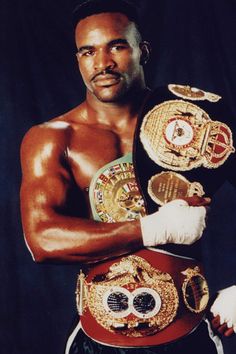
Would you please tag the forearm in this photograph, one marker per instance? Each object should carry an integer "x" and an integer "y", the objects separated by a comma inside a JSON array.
[
  {"x": 81, "y": 240},
  {"x": 52, "y": 236}
]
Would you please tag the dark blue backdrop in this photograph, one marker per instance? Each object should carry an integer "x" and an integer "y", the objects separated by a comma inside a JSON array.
[{"x": 193, "y": 43}]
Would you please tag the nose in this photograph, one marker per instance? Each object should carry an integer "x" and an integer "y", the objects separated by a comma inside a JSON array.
[{"x": 103, "y": 60}]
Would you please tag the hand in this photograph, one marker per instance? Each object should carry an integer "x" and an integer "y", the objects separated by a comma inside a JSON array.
[
  {"x": 195, "y": 200},
  {"x": 175, "y": 222},
  {"x": 224, "y": 311}
]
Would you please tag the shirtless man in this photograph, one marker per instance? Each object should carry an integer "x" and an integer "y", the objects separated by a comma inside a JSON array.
[{"x": 60, "y": 157}]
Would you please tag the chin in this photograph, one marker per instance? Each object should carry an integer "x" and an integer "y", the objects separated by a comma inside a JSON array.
[{"x": 109, "y": 97}]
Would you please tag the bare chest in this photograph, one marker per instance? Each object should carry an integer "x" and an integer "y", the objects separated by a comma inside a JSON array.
[{"x": 91, "y": 148}]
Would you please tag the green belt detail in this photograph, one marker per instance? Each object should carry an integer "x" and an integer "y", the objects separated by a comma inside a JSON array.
[{"x": 124, "y": 159}]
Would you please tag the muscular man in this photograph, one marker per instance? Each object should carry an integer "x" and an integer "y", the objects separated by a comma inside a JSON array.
[{"x": 60, "y": 158}]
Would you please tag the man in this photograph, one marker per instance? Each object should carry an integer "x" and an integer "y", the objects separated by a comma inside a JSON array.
[{"x": 60, "y": 158}]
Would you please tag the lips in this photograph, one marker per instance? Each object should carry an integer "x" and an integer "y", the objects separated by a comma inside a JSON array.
[{"x": 107, "y": 80}]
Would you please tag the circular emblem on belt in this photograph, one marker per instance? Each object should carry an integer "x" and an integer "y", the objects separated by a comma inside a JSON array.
[
  {"x": 179, "y": 135},
  {"x": 143, "y": 302},
  {"x": 193, "y": 93},
  {"x": 178, "y": 132},
  {"x": 115, "y": 193},
  {"x": 133, "y": 298}
]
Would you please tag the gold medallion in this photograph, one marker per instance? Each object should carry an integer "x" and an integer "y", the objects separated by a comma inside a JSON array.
[
  {"x": 195, "y": 290},
  {"x": 178, "y": 135},
  {"x": 193, "y": 93},
  {"x": 114, "y": 193},
  {"x": 167, "y": 186}
]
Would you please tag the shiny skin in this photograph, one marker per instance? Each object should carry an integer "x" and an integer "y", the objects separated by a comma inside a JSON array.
[
  {"x": 60, "y": 157},
  {"x": 109, "y": 60}
]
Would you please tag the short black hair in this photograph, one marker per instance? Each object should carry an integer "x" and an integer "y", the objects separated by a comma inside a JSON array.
[{"x": 92, "y": 7}]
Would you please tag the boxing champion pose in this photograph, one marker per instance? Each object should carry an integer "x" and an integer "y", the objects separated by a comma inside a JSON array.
[{"x": 60, "y": 157}]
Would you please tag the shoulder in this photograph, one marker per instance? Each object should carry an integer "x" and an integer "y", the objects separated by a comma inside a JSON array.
[
  {"x": 55, "y": 133},
  {"x": 46, "y": 132},
  {"x": 40, "y": 139},
  {"x": 43, "y": 150}
]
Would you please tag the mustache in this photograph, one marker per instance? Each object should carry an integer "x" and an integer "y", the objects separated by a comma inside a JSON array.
[{"x": 106, "y": 72}]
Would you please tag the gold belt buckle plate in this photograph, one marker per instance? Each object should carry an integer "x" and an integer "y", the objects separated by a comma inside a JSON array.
[
  {"x": 179, "y": 135},
  {"x": 114, "y": 193},
  {"x": 134, "y": 299},
  {"x": 145, "y": 299},
  {"x": 166, "y": 186}
]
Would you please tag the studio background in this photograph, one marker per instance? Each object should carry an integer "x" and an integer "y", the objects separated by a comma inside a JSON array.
[{"x": 193, "y": 43}]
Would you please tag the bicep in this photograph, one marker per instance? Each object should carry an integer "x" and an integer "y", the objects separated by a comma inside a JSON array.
[
  {"x": 45, "y": 179},
  {"x": 43, "y": 196}
]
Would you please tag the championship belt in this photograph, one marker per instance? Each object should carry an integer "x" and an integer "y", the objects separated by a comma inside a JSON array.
[
  {"x": 180, "y": 136},
  {"x": 143, "y": 299},
  {"x": 183, "y": 146},
  {"x": 114, "y": 194}
]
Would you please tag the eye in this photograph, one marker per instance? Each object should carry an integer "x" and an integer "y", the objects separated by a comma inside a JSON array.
[
  {"x": 85, "y": 53},
  {"x": 118, "y": 48},
  {"x": 88, "y": 53}
]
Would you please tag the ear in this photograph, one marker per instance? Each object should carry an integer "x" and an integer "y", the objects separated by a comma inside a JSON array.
[
  {"x": 145, "y": 48},
  {"x": 77, "y": 56}
]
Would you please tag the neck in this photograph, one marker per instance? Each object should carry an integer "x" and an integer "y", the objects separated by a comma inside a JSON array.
[{"x": 114, "y": 113}]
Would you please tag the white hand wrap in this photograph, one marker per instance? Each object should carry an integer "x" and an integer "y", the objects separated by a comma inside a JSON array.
[
  {"x": 225, "y": 307},
  {"x": 175, "y": 222}
]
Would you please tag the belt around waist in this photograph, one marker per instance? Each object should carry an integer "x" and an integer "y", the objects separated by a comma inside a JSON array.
[{"x": 147, "y": 298}]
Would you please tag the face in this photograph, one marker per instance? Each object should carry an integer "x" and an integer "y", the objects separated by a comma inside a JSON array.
[{"x": 109, "y": 55}]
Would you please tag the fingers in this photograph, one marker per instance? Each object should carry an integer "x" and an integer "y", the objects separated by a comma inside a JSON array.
[
  {"x": 229, "y": 332},
  {"x": 215, "y": 322},
  {"x": 195, "y": 200},
  {"x": 221, "y": 328}
]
